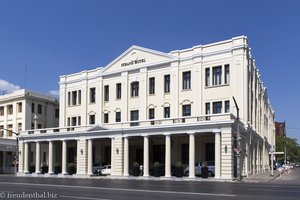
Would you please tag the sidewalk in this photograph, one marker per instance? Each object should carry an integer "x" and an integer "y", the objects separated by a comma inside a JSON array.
[{"x": 261, "y": 177}]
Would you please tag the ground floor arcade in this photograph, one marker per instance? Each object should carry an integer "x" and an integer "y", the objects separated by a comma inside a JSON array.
[{"x": 76, "y": 154}]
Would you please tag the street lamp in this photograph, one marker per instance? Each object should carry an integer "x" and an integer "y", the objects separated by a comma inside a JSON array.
[
  {"x": 238, "y": 136},
  {"x": 17, "y": 151}
]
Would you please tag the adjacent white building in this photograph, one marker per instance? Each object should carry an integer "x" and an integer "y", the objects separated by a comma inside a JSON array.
[
  {"x": 23, "y": 110},
  {"x": 148, "y": 106}
]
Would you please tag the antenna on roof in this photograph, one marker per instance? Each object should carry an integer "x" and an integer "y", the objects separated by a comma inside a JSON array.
[{"x": 25, "y": 77}]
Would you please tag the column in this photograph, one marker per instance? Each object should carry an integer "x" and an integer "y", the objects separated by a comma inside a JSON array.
[
  {"x": 64, "y": 157},
  {"x": 20, "y": 156},
  {"x": 90, "y": 157},
  {"x": 217, "y": 155},
  {"x": 126, "y": 156},
  {"x": 37, "y": 158},
  {"x": 50, "y": 170},
  {"x": 168, "y": 156},
  {"x": 112, "y": 156},
  {"x": 26, "y": 157},
  {"x": 192, "y": 155},
  {"x": 146, "y": 155}
]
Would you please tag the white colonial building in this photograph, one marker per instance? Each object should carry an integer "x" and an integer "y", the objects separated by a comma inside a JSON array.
[
  {"x": 148, "y": 106},
  {"x": 23, "y": 110}
]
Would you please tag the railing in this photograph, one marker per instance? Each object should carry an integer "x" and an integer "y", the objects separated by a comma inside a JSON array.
[{"x": 142, "y": 123}]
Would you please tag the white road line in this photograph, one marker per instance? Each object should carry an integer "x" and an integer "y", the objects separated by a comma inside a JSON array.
[
  {"x": 73, "y": 197},
  {"x": 121, "y": 189}
]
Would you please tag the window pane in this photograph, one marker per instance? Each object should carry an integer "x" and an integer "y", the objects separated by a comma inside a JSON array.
[
  {"x": 167, "y": 112},
  {"x": 186, "y": 110},
  {"x": 119, "y": 91},
  {"x": 92, "y": 95},
  {"x": 167, "y": 83},
  {"x": 134, "y": 89},
  {"x": 106, "y": 93},
  {"x": 186, "y": 78},
  {"x": 152, "y": 85},
  {"x": 118, "y": 116},
  {"x": 227, "y": 74},
  {"x": 217, "y": 107},
  {"x": 134, "y": 116},
  {"x": 227, "y": 106},
  {"x": 207, "y": 77},
  {"x": 217, "y": 75}
]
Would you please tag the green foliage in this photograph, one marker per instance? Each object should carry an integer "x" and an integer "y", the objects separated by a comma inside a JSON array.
[
  {"x": 179, "y": 164},
  {"x": 292, "y": 149},
  {"x": 136, "y": 164}
]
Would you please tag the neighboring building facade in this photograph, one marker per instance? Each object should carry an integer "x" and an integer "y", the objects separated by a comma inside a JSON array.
[
  {"x": 280, "y": 129},
  {"x": 23, "y": 110},
  {"x": 148, "y": 106}
]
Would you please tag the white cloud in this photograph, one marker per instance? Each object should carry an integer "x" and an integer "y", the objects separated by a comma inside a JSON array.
[
  {"x": 8, "y": 87},
  {"x": 54, "y": 93}
]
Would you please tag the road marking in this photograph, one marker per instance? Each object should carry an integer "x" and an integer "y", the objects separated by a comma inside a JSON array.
[
  {"x": 121, "y": 189},
  {"x": 72, "y": 197}
]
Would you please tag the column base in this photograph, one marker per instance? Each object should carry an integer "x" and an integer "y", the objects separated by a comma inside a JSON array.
[
  {"x": 192, "y": 177},
  {"x": 37, "y": 174},
  {"x": 64, "y": 174},
  {"x": 167, "y": 176},
  {"x": 81, "y": 175},
  {"x": 125, "y": 174},
  {"x": 49, "y": 174},
  {"x": 146, "y": 175}
]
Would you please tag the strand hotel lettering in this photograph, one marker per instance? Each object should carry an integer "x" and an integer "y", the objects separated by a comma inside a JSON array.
[{"x": 133, "y": 62}]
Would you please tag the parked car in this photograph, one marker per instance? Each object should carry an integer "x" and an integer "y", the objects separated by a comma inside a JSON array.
[
  {"x": 97, "y": 166},
  {"x": 106, "y": 170},
  {"x": 198, "y": 166}
]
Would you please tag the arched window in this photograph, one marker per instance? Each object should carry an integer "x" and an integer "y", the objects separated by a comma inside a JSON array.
[{"x": 135, "y": 89}]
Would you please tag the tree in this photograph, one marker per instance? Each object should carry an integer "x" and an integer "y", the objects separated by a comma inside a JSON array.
[{"x": 292, "y": 149}]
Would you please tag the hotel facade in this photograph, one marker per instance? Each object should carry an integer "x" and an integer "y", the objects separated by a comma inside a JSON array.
[
  {"x": 23, "y": 110},
  {"x": 148, "y": 106}
]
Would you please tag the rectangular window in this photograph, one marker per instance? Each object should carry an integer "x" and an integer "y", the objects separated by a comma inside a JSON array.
[
  {"x": 118, "y": 116},
  {"x": 186, "y": 110},
  {"x": 40, "y": 109},
  {"x": 207, "y": 111},
  {"x": 152, "y": 85},
  {"x": 79, "y": 97},
  {"x": 135, "y": 89},
  {"x": 32, "y": 126},
  {"x": 39, "y": 126},
  {"x": 74, "y": 120},
  {"x": 57, "y": 113},
  {"x": 106, "y": 93},
  {"x": 167, "y": 83},
  {"x": 217, "y": 75},
  {"x": 19, "y": 107},
  {"x": 227, "y": 74},
  {"x": 207, "y": 77},
  {"x": 227, "y": 106},
  {"x": 1, "y": 111},
  {"x": 69, "y": 98},
  {"x": 79, "y": 120},
  {"x": 1, "y": 131},
  {"x": 217, "y": 107},
  {"x": 92, "y": 119},
  {"x": 186, "y": 80},
  {"x": 152, "y": 115},
  {"x": 10, "y": 109},
  {"x": 19, "y": 127},
  {"x": 134, "y": 116},
  {"x": 32, "y": 108},
  {"x": 92, "y": 95},
  {"x": 9, "y": 128},
  {"x": 69, "y": 121},
  {"x": 207, "y": 108},
  {"x": 118, "y": 90},
  {"x": 105, "y": 116},
  {"x": 74, "y": 98},
  {"x": 167, "y": 112}
]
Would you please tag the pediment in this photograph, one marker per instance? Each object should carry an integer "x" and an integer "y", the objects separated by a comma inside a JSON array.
[
  {"x": 135, "y": 57},
  {"x": 96, "y": 128}
]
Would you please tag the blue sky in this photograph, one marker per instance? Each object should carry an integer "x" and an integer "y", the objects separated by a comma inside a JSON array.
[{"x": 58, "y": 37}]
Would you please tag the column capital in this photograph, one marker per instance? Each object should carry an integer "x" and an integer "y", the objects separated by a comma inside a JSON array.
[
  {"x": 145, "y": 135},
  {"x": 216, "y": 131},
  {"x": 167, "y": 134},
  {"x": 191, "y": 132}
]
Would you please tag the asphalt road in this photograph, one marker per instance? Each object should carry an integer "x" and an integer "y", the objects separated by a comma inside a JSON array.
[{"x": 286, "y": 187}]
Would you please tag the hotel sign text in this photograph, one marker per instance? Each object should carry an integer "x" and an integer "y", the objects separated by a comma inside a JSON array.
[{"x": 133, "y": 62}]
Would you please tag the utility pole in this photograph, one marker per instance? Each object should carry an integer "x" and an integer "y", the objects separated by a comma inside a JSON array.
[{"x": 238, "y": 140}]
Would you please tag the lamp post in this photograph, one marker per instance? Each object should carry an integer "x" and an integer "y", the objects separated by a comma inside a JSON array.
[
  {"x": 17, "y": 151},
  {"x": 238, "y": 136}
]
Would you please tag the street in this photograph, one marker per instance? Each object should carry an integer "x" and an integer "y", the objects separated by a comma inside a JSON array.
[{"x": 285, "y": 187}]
